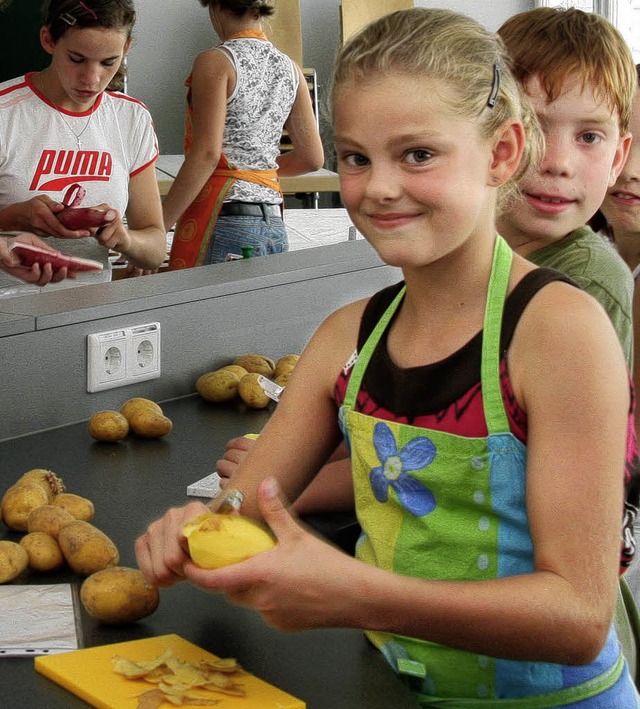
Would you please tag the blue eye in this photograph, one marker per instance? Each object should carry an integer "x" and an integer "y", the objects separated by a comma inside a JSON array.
[{"x": 591, "y": 138}]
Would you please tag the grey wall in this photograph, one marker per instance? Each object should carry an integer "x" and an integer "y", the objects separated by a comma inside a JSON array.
[
  {"x": 207, "y": 316},
  {"x": 169, "y": 34}
]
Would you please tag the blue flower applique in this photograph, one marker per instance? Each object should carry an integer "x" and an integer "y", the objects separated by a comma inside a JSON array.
[{"x": 395, "y": 468}]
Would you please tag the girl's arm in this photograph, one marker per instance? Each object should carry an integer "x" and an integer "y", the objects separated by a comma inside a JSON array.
[
  {"x": 212, "y": 81},
  {"x": 568, "y": 372},
  {"x": 297, "y": 440},
  {"x": 143, "y": 241},
  {"x": 307, "y": 153}
]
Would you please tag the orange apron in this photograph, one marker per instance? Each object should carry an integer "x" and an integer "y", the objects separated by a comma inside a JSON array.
[{"x": 195, "y": 227}]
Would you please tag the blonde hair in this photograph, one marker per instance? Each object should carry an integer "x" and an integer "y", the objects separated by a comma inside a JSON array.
[
  {"x": 452, "y": 48},
  {"x": 554, "y": 44}
]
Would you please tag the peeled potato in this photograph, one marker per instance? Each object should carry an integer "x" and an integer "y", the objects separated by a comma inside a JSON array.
[
  {"x": 147, "y": 423},
  {"x": 13, "y": 560},
  {"x": 134, "y": 405},
  {"x": 18, "y": 502},
  {"x": 252, "y": 393},
  {"x": 217, "y": 540},
  {"x": 49, "y": 519},
  {"x": 43, "y": 550},
  {"x": 256, "y": 363},
  {"x": 118, "y": 595},
  {"x": 109, "y": 426},
  {"x": 86, "y": 548},
  {"x": 78, "y": 507},
  {"x": 218, "y": 386}
]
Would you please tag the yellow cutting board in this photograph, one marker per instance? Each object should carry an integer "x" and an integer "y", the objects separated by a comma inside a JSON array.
[{"x": 89, "y": 674}]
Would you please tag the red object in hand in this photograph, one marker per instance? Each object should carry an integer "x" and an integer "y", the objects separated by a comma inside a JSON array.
[
  {"x": 73, "y": 216},
  {"x": 83, "y": 217},
  {"x": 29, "y": 255}
]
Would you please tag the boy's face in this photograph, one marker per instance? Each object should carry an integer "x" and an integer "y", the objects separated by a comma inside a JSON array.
[
  {"x": 583, "y": 157},
  {"x": 621, "y": 206}
]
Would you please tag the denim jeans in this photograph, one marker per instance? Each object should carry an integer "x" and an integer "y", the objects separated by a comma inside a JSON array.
[{"x": 267, "y": 235}]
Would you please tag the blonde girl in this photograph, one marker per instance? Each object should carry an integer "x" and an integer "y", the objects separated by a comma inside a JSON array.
[{"x": 479, "y": 443}]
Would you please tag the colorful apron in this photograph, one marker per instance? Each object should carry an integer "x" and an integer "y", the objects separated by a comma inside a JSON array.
[
  {"x": 195, "y": 227},
  {"x": 441, "y": 506}
]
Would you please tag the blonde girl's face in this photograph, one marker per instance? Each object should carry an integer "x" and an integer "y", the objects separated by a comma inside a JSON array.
[
  {"x": 621, "y": 206},
  {"x": 83, "y": 62},
  {"x": 413, "y": 176}
]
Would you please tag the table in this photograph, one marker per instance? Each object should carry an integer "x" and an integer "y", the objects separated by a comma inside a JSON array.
[
  {"x": 132, "y": 482},
  {"x": 322, "y": 180}
]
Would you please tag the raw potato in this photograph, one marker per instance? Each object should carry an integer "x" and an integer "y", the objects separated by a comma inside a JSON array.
[
  {"x": 286, "y": 364},
  {"x": 49, "y": 519},
  {"x": 217, "y": 540},
  {"x": 18, "y": 502},
  {"x": 252, "y": 393},
  {"x": 218, "y": 386},
  {"x": 235, "y": 368},
  {"x": 47, "y": 479},
  {"x": 131, "y": 406},
  {"x": 43, "y": 550},
  {"x": 13, "y": 560},
  {"x": 87, "y": 549},
  {"x": 108, "y": 426},
  {"x": 256, "y": 363},
  {"x": 77, "y": 506},
  {"x": 283, "y": 379},
  {"x": 118, "y": 595},
  {"x": 150, "y": 424}
]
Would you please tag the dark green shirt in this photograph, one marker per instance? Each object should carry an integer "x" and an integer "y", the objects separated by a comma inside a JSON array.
[{"x": 594, "y": 264}]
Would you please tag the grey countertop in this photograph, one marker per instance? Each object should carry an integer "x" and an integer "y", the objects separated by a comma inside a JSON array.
[{"x": 132, "y": 482}]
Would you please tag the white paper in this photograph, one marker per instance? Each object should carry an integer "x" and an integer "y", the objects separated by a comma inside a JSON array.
[{"x": 37, "y": 619}]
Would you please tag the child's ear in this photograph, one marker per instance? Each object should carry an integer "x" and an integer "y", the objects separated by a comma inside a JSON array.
[
  {"x": 46, "y": 40},
  {"x": 506, "y": 153},
  {"x": 620, "y": 158}
]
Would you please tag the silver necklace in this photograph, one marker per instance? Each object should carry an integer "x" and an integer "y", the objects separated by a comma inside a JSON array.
[{"x": 77, "y": 136}]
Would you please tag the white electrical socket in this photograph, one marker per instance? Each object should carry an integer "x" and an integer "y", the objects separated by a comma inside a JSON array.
[{"x": 119, "y": 357}]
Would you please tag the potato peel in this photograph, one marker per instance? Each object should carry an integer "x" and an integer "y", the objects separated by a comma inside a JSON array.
[{"x": 175, "y": 678}]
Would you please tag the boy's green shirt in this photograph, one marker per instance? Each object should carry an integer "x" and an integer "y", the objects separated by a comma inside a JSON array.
[{"x": 594, "y": 264}]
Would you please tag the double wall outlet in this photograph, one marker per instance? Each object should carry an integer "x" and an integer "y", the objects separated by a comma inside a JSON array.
[{"x": 119, "y": 357}]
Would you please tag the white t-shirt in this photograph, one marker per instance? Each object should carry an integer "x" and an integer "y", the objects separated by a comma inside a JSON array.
[{"x": 45, "y": 150}]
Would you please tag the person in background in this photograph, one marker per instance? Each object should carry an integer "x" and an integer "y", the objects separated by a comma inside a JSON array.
[
  {"x": 479, "y": 442},
  {"x": 61, "y": 127},
  {"x": 241, "y": 94},
  {"x": 619, "y": 220},
  {"x": 579, "y": 73},
  {"x": 38, "y": 274}
]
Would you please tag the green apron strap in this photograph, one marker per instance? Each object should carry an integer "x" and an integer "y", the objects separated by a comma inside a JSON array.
[
  {"x": 559, "y": 698},
  {"x": 367, "y": 350},
  {"x": 494, "y": 412}
]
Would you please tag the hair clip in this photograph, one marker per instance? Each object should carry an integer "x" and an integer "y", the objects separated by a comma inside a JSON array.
[
  {"x": 69, "y": 19},
  {"x": 89, "y": 10},
  {"x": 495, "y": 86}
]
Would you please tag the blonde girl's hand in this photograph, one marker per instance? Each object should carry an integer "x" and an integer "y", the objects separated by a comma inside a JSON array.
[
  {"x": 302, "y": 583},
  {"x": 161, "y": 552}
]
